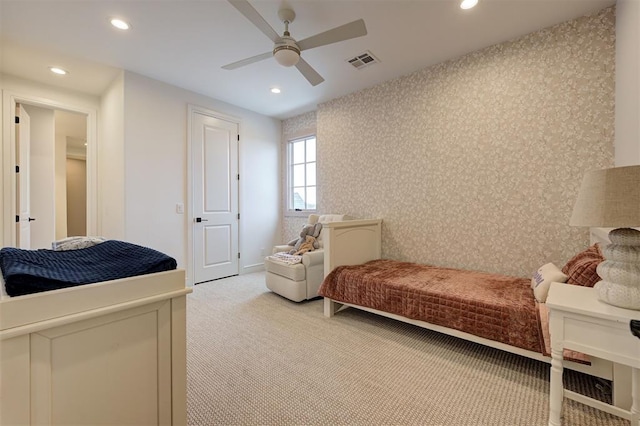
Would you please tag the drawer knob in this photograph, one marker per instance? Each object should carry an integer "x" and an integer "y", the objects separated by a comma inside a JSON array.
[{"x": 634, "y": 325}]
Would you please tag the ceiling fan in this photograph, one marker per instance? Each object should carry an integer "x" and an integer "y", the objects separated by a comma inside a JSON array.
[{"x": 286, "y": 49}]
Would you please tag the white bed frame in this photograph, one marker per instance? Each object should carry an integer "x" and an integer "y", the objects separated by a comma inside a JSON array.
[
  {"x": 104, "y": 353},
  {"x": 356, "y": 242}
]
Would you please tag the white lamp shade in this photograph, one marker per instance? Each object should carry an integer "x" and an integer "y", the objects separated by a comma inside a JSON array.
[{"x": 609, "y": 198}]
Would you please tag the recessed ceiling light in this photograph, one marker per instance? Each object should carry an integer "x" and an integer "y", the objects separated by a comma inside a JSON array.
[
  {"x": 275, "y": 90},
  {"x": 468, "y": 4},
  {"x": 58, "y": 71},
  {"x": 120, "y": 24}
]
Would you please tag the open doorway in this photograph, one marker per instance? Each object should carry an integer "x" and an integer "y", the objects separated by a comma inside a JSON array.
[
  {"x": 64, "y": 165},
  {"x": 57, "y": 174},
  {"x": 71, "y": 174}
]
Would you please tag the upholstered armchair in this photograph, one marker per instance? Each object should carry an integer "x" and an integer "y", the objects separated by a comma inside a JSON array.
[{"x": 299, "y": 281}]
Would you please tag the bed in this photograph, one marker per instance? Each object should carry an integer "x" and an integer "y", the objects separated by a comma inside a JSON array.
[
  {"x": 111, "y": 352},
  {"x": 357, "y": 243}
]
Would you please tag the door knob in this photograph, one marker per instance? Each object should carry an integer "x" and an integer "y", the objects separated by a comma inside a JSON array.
[
  {"x": 31, "y": 219},
  {"x": 199, "y": 219}
]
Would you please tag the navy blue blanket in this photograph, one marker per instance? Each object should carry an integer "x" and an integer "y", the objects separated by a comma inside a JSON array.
[{"x": 33, "y": 271}]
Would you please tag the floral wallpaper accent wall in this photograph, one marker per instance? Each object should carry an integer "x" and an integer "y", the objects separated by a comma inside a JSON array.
[{"x": 475, "y": 162}]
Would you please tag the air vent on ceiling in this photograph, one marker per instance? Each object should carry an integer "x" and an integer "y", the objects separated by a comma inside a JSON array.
[{"x": 363, "y": 60}]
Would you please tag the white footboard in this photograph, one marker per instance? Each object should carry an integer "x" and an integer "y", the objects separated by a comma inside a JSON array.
[
  {"x": 351, "y": 242},
  {"x": 109, "y": 353}
]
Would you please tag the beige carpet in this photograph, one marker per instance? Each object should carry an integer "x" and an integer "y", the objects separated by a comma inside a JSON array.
[{"x": 255, "y": 358}]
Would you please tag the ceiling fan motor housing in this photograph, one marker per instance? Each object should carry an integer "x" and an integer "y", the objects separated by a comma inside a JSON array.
[{"x": 286, "y": 51}]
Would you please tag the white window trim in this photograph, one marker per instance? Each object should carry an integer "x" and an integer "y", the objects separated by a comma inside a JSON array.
[{"x": 288, "y": 177}]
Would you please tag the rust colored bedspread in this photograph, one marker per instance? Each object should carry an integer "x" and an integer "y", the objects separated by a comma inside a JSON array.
[{"x": 495, "y": 307}]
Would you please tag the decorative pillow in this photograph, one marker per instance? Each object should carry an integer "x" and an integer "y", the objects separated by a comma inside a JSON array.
[
  {"x": 543, "y": 278},
  {"x": 581, "y": 269},
  {"x": 75, "y": 243}
]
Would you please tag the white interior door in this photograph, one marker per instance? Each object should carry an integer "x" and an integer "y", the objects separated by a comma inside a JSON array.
[
  {"x": 214, "y": 150},
  {"x": 23, "y": 142},
  {"x": 42, "y": 175}
]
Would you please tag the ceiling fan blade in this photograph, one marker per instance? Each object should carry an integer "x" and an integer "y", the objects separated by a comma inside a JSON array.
[
  {"x": 256, "y": 19},
  {"x": 344, "y": 32},
  {"x": 309, "y": 73},
  {"x": 248, "y": 61}
]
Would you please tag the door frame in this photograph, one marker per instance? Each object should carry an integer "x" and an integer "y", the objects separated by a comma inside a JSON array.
[
  {"x": 7, "y": 166},
  {"x": 195, "y": 109}
]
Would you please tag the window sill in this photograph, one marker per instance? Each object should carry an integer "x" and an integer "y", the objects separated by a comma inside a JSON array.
[{"x": 303, "y": 213}]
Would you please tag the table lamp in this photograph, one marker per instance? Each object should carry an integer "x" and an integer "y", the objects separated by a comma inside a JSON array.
[{"x": 611, "y": 198}]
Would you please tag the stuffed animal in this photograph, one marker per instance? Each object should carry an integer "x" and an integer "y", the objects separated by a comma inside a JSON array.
[
  {"x": 312, "y": 231},
  {"x": 309, "y": 244}
]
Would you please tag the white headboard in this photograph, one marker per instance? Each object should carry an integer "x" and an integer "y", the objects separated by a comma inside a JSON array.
[{"x": 351, "y": 242}]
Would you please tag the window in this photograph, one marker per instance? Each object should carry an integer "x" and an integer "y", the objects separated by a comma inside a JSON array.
[{"x": 301, "y": 174}]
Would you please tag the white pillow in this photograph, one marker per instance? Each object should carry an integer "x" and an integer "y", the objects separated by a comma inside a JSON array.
[
  {"x": 75, "y": 243},
  {"x": 543, "y": 278}
]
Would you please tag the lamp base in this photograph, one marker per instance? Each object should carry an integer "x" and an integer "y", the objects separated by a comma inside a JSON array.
[
  {"x": 620, "y": 272},
  {"x": 618, "y": 295}
]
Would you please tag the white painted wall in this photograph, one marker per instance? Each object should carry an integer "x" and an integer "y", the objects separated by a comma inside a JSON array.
[
  {"x": 260, "y": 190},
  {"x": 627, "y": 139},
  {"x": 155, "y": 162},
  {"x": 55, "y": 94},
  {"x": 111, "y": 161},
  {"x": 42, "y": 176}
]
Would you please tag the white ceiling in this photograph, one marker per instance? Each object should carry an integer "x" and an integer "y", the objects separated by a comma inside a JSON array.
[{"x": 185, "y": 42}]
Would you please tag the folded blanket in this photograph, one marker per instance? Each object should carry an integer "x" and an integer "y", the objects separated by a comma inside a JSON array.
[
  {"x": 284, "y": 257},
  {"x": 32, "y": 271}
]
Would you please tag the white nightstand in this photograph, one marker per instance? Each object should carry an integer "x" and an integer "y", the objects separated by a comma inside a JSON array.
[{"x": 579, "y": 321}]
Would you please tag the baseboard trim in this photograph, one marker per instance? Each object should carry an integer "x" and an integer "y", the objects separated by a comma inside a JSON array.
[{"x": 256, "y": 267}]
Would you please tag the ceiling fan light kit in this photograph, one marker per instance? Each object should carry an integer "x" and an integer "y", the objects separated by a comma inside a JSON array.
[
  {"x": 286, "y": 49},
  {"x": 286, "y": 52}
]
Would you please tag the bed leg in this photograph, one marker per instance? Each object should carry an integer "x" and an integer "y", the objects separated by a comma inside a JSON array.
[
  {"x": 330, "y": 307},
  {"x": 621, "y": 386}
]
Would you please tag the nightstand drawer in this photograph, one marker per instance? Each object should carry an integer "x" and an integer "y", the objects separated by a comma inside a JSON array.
[{"x": 605, "y": 339}]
